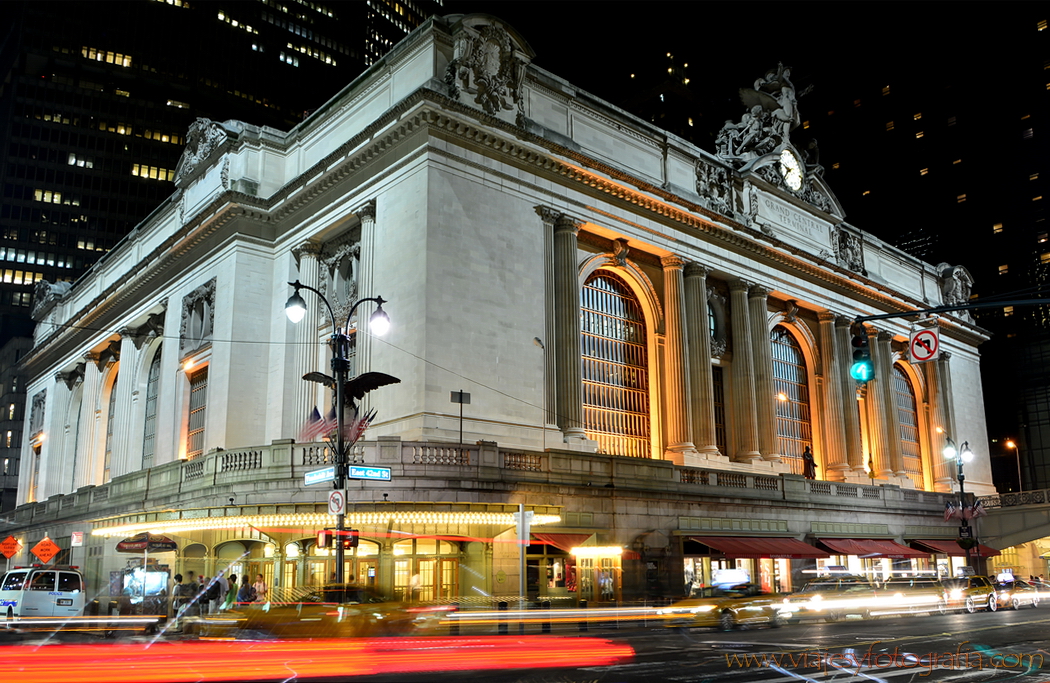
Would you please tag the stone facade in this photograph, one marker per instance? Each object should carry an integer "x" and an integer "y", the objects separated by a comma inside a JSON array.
[{"x": 496, "y": 208}]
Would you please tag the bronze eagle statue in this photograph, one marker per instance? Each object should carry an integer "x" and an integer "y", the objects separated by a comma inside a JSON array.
[{"x": 354, "y": 389}]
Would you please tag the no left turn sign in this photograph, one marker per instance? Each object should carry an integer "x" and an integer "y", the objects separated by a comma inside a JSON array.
[
  {"x": 336, "y": 502},
  {"x": 925, "y": 345}
]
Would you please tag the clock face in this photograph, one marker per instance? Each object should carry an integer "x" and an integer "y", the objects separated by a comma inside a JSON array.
[{"x": 791, "y": 169}]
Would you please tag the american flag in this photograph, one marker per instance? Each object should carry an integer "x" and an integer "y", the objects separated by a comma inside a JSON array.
[
  {"x": 978, "y": 510},
  {"x": 354, "y": 428},
  {"x": 312, "y": 428},
  {"x": 329, "y": 424},
  {"x": 949, "y": 511}
]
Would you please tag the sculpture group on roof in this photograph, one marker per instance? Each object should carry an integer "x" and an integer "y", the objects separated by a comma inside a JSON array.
[{"x": 772, "y": 113}]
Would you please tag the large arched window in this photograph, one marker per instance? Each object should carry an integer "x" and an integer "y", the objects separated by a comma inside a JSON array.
[
  {"x": 615, "y": 367},
  {"x": 791, "y": 383},
  {"x": 909, "y": 420},
  {"x": 149, "y": 432}
]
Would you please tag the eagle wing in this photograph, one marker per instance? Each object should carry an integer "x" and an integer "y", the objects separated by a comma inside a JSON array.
[
  {"x": 364, "y": 383},
  {"x": 320, "y": 378}
]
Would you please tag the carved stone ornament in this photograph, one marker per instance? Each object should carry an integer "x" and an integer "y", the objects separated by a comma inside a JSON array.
[
  {"x": 771, "y": 114},
  {"x": 198, "y": 317},
  {"x": 203, "y": 137},
  {"x": 108, "y": 355},
  {"x": 46, "y": 295},
  {"x": 716, "y": 302},
  {"x": 848, "y": 250},
  {"x": 72, "y": 377},
  {"x": 151, "y": 329},
  {"x": 36, "y": 413},
  {"x": 620, "y": 252},
  {"x": 712, "y": 184},
  {"x": 488, "y": 65},
  {"x": 956, "y": 283}
]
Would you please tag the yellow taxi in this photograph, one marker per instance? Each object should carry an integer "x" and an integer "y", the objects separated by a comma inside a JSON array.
[
  {"x": 831, "y": 598},
  {"x": 327, "y": 612},
  {"x": 971, "y": 593},
  {"x": 727, "y": 608}
]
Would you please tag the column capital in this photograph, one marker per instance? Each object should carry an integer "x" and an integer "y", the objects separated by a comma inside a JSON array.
[
  {"x": 759, "y": 291},
  {"x": 566, "y": 223},
  {"x": 672, "y": 262},
  {"x": 843, "y": 320},
  {"x": 945, "y": 356},
  {"x": 548, "y": 214},
  {"x": 884, "y": 336},
  {"x": 367, "y": 211},
  {"x": 826, "y": 316},
  {"x": 740, "y": 285},
  {"x": 693, "y": 269},
  {"x": 307, "y": 248}
]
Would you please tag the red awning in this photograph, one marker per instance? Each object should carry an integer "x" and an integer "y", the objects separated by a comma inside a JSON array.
[
  {"x": 952, "y": 548},
  {"x": 564, "y": 542},
  {"x": 871, "y": 547},
  {"x": 748, "y": 547}
]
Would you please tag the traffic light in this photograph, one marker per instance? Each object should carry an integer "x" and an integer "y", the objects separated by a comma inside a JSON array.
[
  {"x": 862, "y": 369},
  {"x": 324, "y": 539},
  {"x": 351, "y": 538}
]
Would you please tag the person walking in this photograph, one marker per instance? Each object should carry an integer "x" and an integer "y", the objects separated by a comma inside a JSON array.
[
  {"x": 231, "y": 594},
  {"x": 261, "y": 589},
  {"x": 219, "y": 600},
  {"x": 246, "y": 593}
]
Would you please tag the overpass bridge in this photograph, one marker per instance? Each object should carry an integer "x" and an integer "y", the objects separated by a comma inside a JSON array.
[{"x": 1015, "y": 518}]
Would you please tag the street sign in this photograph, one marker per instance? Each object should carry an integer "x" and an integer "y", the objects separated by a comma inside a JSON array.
[
  {"x": 371, "y": 473},
  {"x": 336, "y": 502},
  {"x": 965, "y": 532},
  {"x": 10, "y": 547},
  {"x": 319, "y": 476},
  {"x": 76, "y": 539},
  {"x": 45, "y": 550},
  {"x": 924, "y": 345}
]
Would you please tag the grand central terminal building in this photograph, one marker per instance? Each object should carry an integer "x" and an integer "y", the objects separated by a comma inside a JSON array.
[{"x": 643, "y": 340}]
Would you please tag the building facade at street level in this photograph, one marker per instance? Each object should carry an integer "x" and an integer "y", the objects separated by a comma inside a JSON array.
[{"x": 652, "y": 336}]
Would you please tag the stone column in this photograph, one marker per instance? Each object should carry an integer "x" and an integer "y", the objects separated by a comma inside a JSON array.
[
  {"x": 568, "y": 362},
  {"x": 854, "y": 446},
  {"x": 701, "y": 379},
  {"x": 765, "y": 392},
  {"x": 366, "y": 287},
  {"x": 888, "y": 395},
  {"x": 945, "y": 414},
  {"x": 306, "y": 358},
  {"x": 679, "y": 442},
  {"x": 876, "y": 404},
  {"x": 89, "y": 463},
  {"x": 549, "y": 398},
  {"x": 127, "y": 456},
  {"x": 745, "y": 427},
  {"x": 836, "y": 464}
]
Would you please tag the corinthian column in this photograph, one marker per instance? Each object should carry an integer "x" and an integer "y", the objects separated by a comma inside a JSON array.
[
  {"x": 569, "y": 373},
  {"x": 892, "y": 425},
  {"x": 701, "y": 380},
  {"x": 366, "y": 287},
  {"x": 835, "y": 463},
  {"x": 850, "y": 412},
  {"x": 746, "y": 429},
  {"x": 765, "y": 394},
  {"x": 306, "y": 342},
  {"x": 876, "y": 404},
  {"x": 944, "y": 412},
  {"x": 549, "y": 401},
  {"x": 679, "y": 440}
]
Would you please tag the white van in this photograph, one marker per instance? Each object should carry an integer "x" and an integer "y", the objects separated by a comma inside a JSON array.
[{"x": 42, "y": 592}]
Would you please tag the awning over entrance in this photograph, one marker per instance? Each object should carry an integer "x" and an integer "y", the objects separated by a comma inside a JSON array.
[
  {"x": 754, "y": 548},
  {"x": 871, "y": 547},
  {"x": 564, "y": 542},
  {"x": 952, "y": 548}
]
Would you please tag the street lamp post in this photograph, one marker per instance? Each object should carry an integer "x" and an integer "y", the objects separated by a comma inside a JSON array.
[
  {"x": 961, "y": 456},
  {"x": 1010, "y": 443},
  {"x": 379, "y": 322}
]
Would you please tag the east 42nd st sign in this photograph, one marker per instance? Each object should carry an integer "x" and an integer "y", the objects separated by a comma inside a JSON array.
[{"x": 372, "y": 473}]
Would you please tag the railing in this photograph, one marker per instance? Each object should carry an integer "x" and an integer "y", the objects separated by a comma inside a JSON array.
[{"x": 1003, "y": 500}]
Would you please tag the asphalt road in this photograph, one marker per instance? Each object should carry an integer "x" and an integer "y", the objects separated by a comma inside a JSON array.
[{"x": 993, "y": 647}]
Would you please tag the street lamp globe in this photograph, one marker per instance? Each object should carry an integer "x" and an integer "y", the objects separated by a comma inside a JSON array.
[
  {"x": 966, "y": 454},
  {"x": 295, "y": 309},
  {"x": 379, "y": 322},
  {"x": 949, "y": 448}
]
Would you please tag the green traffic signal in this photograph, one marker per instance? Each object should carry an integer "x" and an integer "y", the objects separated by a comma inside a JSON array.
[{"x": 862, "y": 370}]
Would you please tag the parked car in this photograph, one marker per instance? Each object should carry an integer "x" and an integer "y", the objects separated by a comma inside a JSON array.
[
  {"x": 727, "y": 608},
  {"x": 830, "y": 598},
  {"x": 1018, "y": 593},
  {"x": 972, "y": 593},
  {"x": 327, "y": 612}
]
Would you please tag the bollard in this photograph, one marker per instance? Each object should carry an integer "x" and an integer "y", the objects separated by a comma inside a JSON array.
[
  {"x": 546, "y": 605},
  {"x": 583, "y": 622},
  {"x": 453, "y": 627},
  {"x": 502, "y": 607}
]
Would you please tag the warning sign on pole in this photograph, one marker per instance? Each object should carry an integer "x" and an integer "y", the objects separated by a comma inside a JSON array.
[
  {"x": 10, "y": 546},
  {"x": 925, "y": 345},
  {"x": 45, "y": 550}
]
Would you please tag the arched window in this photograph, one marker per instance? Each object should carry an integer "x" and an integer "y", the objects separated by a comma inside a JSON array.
[
  {"x": 615, "y": 367},
  {"x": 909, "y": 419},
  {"x": 149, "y": 432},
  {"x": 791, "y": 383},
  {"x": 109, "y": 430}
]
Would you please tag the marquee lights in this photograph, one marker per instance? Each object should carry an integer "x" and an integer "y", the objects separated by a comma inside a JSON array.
[
  {"x": 597, "y": 551},
  {"x": 408, "y": 517}
]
